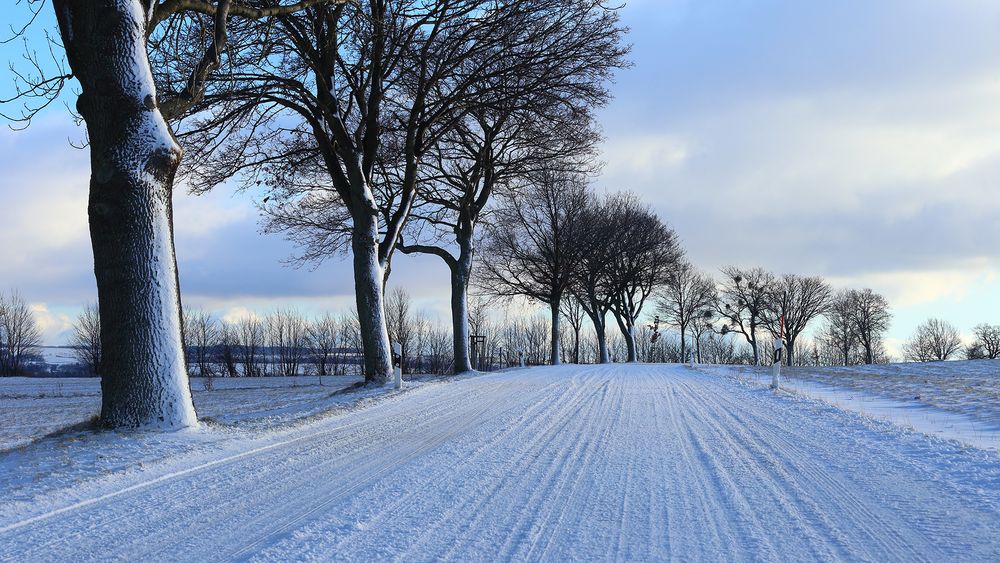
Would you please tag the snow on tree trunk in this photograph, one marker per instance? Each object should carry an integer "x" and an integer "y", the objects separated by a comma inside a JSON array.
[
  {"x": 556, "y": 354},
  {"x": 630, "y": 343},
  {"x": 576, "y": 345},
  {"x": 460, "y": 313},
  {"x": 600, "y": 330},
  {"x": 683, "y": 342},
  {"x": 133, "y": 158},
  {"x": 370, "y": 301}
]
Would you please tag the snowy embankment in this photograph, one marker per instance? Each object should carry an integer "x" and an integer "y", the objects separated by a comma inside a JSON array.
[
  {"x": 594, "y": 462},
  {"x": 954, "y": 400}
]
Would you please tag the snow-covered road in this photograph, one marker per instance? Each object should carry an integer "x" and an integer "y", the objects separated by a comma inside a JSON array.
[{"x": 592, "y": 462}]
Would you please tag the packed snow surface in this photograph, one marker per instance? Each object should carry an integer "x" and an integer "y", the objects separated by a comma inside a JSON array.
[{"x": 634, "y": 462}]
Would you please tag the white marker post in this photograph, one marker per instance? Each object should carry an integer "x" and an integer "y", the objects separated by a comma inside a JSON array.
[
  {"x": 397, "y": 370},
  {"x": 776, "y": 366}
]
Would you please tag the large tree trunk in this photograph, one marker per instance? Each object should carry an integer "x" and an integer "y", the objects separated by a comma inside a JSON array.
[
  {"x": 600, "y": 331},
  {"x": 630, "y": 343},
  {"x": 460, "y": 271},
  {"x": 556, "y": 352},
  {"x": 369, "y": 294},
  {"x": 683, "y": 343},
  {"x": 628, "y": 332},
  {"x": 576, "y": 344},
  {"x": 133, "y": 160},
  {"x": 753, "y": 346}
]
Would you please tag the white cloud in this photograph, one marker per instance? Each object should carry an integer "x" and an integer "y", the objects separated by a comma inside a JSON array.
[
  {"x": 644, "y": 155},
  {"x": 55, "y": 327}
]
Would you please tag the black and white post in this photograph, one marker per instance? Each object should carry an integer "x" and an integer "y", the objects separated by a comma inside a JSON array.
[
  {"x": 397, "y": 370},
  {"x": 776, "y": 365}
]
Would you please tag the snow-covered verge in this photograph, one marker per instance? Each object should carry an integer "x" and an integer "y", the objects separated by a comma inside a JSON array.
[
  {"x": 31, "y": 408},
  {"x": 954, "y": 400},
  {"x": 592, "y": 462}
]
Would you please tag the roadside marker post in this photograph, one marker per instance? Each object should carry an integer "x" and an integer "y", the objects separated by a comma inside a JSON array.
[
  {"x": 776, "y": 366},
  {"x": 397, "y": 369}
]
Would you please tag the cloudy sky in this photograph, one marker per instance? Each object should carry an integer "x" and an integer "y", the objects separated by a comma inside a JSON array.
[{"x": 856, "y": 140}]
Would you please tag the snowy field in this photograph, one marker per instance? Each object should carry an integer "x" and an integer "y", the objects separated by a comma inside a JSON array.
[
  {"x": 31, "y": 408},
  {"x": 641, "y": 462},
  {"x": 955, "y": 400}
]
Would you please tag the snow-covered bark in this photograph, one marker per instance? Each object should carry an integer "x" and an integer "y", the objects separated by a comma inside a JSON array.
[
  {"x": 133, "y": 161},
  {"x": 555, "y": 357},
  {"x": 461, "y": 269},
  {"x": 368, "y": 276},
  {"x": 602, "y": 343}
]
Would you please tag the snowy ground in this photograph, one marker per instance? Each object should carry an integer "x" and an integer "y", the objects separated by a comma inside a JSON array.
[
  {"x": 592, "y": 462},
  {"x": 30, "y": 408},
  {"x": 955, "y": 400}
]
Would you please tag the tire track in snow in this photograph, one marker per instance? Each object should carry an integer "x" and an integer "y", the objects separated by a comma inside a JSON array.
[
  {"x": 193, "y": 489},
  {"x": 800, "y": 476},
  {"x": 543, "y": 427}
]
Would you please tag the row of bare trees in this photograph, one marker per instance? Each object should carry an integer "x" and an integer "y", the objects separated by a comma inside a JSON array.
[
  {"x": 386, "y": 125},
  {"x": 578, "y": 254},
  {"x": 352, "y": 115},
  {"x": 761, "y": 307},
  {"x": 939, "y": 340}
]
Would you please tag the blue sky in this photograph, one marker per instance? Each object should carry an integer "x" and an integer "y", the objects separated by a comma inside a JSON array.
[{"x": 856, "y": 140}]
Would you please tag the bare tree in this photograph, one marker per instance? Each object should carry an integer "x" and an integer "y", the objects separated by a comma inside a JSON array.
[
  {"x": 19, "y": 333},
  {"x": 793, "y": 301},
  {"x": 934, "y": 340},
  {"x": 348, "y": 99},
  {"x": 591, "y": 281},
  {"x": 287, "y": 339},
  {"x": 573, "y": 310},
  {"x": 871, "y": 317},
  {"x": 534, "y": 107},
  {"x": 251, "y": 337},
  {"x": 643, "y": 253},
  {"x": 743, "y": 297},
  {"x": 532, "y": 247},
  {"x": 702, "y": 325},
  {"x": 987, "y": 341},
  {"x": 840, "y": 332},
  {"x": 86, "y": 339},
  {"x": 134, "y": 158},
  {"x": 324, "y": 337},
  {"x": 684, "y": 299},
  {"x": 438, "y": 350},
  {"x": 720, "y": 349},
  {"x": 201, "y": 336},
  {"x": 229, "y": 349},
  {"x": 402, "y": 324}
]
